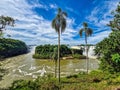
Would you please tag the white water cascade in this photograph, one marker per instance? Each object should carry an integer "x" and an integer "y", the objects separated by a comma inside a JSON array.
[{"x": 91, "y": 53}]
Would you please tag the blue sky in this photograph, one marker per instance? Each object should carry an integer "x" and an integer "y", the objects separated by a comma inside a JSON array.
[{"x": 33, "y": 19}]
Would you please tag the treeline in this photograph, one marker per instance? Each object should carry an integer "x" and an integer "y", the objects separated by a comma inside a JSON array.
[
  {"x": 47, "y": 51},
  {"x": 87, "y": 45},
  {"x": 11, "y": 47}
]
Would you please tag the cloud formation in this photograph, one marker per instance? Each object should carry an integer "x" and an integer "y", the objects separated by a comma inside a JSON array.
[{"x": 34, "y": 28}]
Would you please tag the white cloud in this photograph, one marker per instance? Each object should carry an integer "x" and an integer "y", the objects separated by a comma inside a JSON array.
[
  {"x": 100, "y": 17},
  {"x": 98, "y": 37},
  {"x": 35, "y": 29},
  {"x": 31, "y": 28},
  {"x": 53, "y": 6},
  {"x": 101, "y": 14}
]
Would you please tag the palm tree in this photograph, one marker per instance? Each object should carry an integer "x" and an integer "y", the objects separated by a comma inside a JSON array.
[
  {"x": 59, "y": 24},
  {"x": 88, "y": 32},
  {"x": 5, "y": 21},
  {"x": 54, "y": 56}
]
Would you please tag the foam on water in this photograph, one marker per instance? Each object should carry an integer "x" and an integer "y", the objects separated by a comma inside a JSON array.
[{"x": 32, "y": 67}]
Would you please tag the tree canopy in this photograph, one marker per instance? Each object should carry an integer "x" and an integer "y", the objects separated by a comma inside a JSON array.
[
  {"x": 47, "y": 51},
  {"x": 109, "y": 48},
  {"x": 11, "y": 47},
  {"x": 6, "y": 21},
  {"x": 115, "y": 23}
]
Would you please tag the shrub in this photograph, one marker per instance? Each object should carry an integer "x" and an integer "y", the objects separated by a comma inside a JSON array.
[
  {"x": 116, "y": 59},
  {"x": 72, "y": 76},
  {"x": 78, "y": 56},
  {"x": 41, "y": 83}
]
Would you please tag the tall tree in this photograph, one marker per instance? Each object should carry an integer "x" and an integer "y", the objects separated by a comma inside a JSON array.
[
  {"x": 59, "y": 24},
  {"x": 88, "y": 32},
  {"x": 109, "y": 48},
  {"x": 115, "y": 23},
  {"x": 5, "y": 21}
]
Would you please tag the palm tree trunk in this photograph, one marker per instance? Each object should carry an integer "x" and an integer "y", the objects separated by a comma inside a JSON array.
[
  {"x": 87, "y": 64},
  {"x": 59, "y": 55},
  {"x": 55, "y": 68}
]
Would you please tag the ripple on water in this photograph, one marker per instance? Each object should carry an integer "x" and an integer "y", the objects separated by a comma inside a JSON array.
[
  {"x": 25, "y": 67},
  {"x": 32, "y": 67}
]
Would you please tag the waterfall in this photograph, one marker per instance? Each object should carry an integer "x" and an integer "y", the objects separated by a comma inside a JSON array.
[{"x": 91, "y": 53}]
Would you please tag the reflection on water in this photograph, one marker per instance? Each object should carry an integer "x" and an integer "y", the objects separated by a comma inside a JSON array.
[{"x": 25, "y": 67}]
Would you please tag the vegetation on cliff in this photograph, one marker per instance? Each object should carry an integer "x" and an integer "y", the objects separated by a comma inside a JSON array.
[
  {"x": 47, "y": 51},
  {"x": 11, "y": 47}
]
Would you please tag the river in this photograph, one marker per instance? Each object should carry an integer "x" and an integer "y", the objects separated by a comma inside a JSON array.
[{"x": 25, "y": 67}]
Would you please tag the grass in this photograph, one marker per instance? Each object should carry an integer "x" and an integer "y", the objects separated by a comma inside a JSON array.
[{"x": 96, "y": 80}]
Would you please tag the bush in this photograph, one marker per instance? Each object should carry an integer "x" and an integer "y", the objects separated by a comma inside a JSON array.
[
  {"x": 72, "y": 76},
  {"x": 39, "y": 84},
  {"x": 78, "y": 56},
  {"x": 95, "y": 80},
  {"x": 116, "y": 59}
]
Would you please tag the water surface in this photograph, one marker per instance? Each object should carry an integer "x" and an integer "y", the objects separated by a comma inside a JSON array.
[{"x": 25, "y": 67}]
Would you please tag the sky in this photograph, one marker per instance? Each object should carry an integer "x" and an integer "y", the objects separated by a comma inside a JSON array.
[{"x": 34, "y": 17}]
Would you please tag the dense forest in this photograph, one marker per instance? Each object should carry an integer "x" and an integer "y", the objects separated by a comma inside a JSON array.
[
  {"x": 11, "y": 47},
  {"x": 47, "y": 51}
]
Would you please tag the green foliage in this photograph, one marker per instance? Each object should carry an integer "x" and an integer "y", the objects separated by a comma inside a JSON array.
[
  {"x": 88, "y": 31},
  {"x": 78, "y": 56},
  {"x": 59, "y": 22},
  {"x": 72, "y": 76},
  {"x": 39, "y": 84},
  {"x": 24, "y": 85},
  {"x": 109, "y": 48},
  {"x": 5, "y": 21},
  {"x": 87, "y": 45},
  {"x": 115, "y": 23},
  {"x": 76, "y": 51},
  {"x": 11, "y": 47},
  {"x": 47, "y": 51},
  {"x": 116, "y": 59},
  {"x": 95, "y": 80}
]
